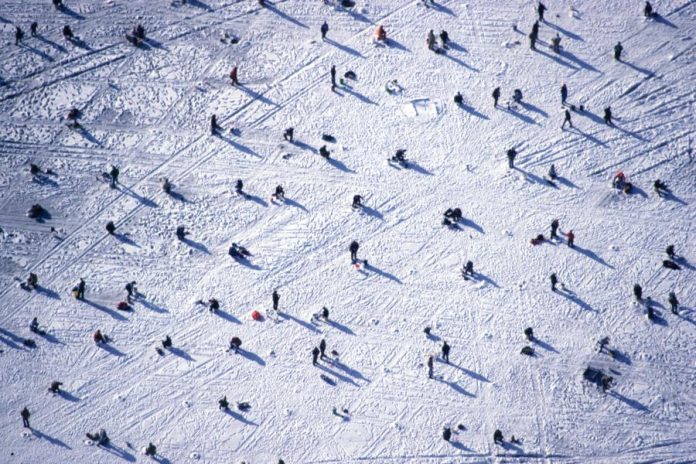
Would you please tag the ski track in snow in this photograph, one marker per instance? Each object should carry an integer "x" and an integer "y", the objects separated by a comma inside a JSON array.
[{"x": 147, "y": 110}]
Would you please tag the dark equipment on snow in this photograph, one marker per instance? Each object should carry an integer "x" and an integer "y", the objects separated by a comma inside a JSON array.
[
  {"x": 357, "y": 201},
  {"x": 181, "y": 232},
  {"x": 498, "y": 437},
  {"x": 35, "y": 211},
  {"x": 446, "y": 433},
  {"x": 517, "y": 96},
  {"x": 151, "y": 450},
  {"x": 167, "y": 342},
  {"x": 598, "y": 377},
  {"x": 529, "y": 333},
  {"x": 669, "y": 264},
  {"x": 289, "y": 134},
  {"x": 110, "y": 227},
  {"x": 55, "y": 386},
  {"x": 235, "y": 343},
  {"x": 353, "y": 248},
  {"x": 458, "y": 98},
  {"x": 660, "y": 187},
  {"x": 223, "y": 403},
  {"x": 324, "y": 152},
  {"x": 527, "y": 350}
]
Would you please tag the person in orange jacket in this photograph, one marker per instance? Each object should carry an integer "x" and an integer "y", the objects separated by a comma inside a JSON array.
[{"x": 380, "y": 33}]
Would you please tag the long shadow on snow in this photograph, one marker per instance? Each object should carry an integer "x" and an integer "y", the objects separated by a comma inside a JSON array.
[
  {"x": 304, "y": 324},
  {"x": 152, "y": 306},
  {"x": 245, "y": 262},
  {"x": 50, "y": 439},
  {"x": 583, "y": 64},
  {"x": 257, "y": 96},
  {"x": 51, "y": 339},
  {"x": 396, "y": 44},
  {"x": 340, "y": 327},
  {"x": 199, "y": 4},
  {"x": 484, "y": 278},
  {"x": 126, "y": 240},
  {"x": 339, "y": 165},
  {"x": 105, "y": 309},
  {"x": 519, "y": 115},
  {"x": 566, "y": 182},
  {"x": 303, "y": 146},
  {"x": 418, "y": 168},
  {"x": 11, "y": 340},
  {"x": 68, "y": 396},
  {"x": 631, "y": 402},
  {"x": 441, "y": 9},
  {"x": 460, "y": 62},
  {"x": 341, "y": 377},
  {"x": 239, "y": 417},
  {"x": 73, "y": 14},
  {"x": 180, "y": 353},
  {"x": 592, "y": 255},
  {"x": 227, "y": 316},
  {"x": 469, "y": 223},
  {"x": 376, "y": 270},
  {"x": 472, "y": 374},
  {"x": 629, "y": 133},
  {"x": 357, "y": 95},
  {"x": 372, "y": 212},
  {"x": 544, "y": 345},
  {"x": 252, "y": 357},
  {"x": 295, "y": 204},
  {"x": 155, "y": 44},
  {"x": 588, "y": 136},
  {"x": 683, "y": 262},
  {"x": 178, "y": 196},
  {"x": 645, "y": 71},
  {"x": 349, "y": 371},
  {"x": 285, "y": 16},
  {"x": 238, "y": 146},
  {"x": 111, "y": 349},
  {"x": 47, "y": 292},
  {"x": 196, "y": 245},
  {"x": 672, "y": 197},
  {"x": 472, "y": 111},
  {"x": 36, "y": 51},
  {"x": 256, "y": 199},
  {"x": 53, "y": 44},
  {"x": 344, "y": 48},
  {"x": 570, "y": 295},
  {"x": 456, "y": 387},
  {"x": 118, "y": 452},
  {"x": 556, "y": 59},
  {"x": 144, "y": 201},
  {"x": 529, "y": 107},
  {"x": 662, "y": 20},
  {"x": 563, "y": 31}
]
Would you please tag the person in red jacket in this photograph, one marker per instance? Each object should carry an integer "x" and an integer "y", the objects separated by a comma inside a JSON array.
[
  {"x": 571, "y": 238},
  {"x": 233, "y": 76}
]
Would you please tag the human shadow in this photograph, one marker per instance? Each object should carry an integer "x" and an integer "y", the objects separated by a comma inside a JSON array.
[
  {"x": 529, "y": 107},
  {"x": 180, "y": 353},
  {"x": 474, "y": 375},
  {"x": 338, "y": 375},
  {"x": 44, "y": 180},
  {"x": 563, "y": 31},
  {"x": 47, "y": 292},
  {"x": 72, "y": 13},
  {"x": 52, "y": 440},
  {"x": 566, "y": 182},
  {"x": 557, "y": 59},
  {"x": 380, "y": 272},
  {"x": 257, "y": 96},
  {"x": 469, "y": 223},
  {"x": 484, "y": 278},
  {"x": 349, "y": 371},
  {"x": 68, "y": 396},
  {"x": 672, "y": 197},
  {"x": 588, "y": 136},
  {"x": 459, "y": 445},
  {"x": 629, "y": 133},
  {"x": 544, "y": 345},
  {"x": 519, "y": 115},
  {"x": 88, "y": 135},
  {"x": 590, "y": 115},
  {"x": 341, "y": 327},
  {"x": 152, "y": 306},
  {"x": 304, "y": 324},
  {"x": 118, "y": 452},
  {"x": 303, "y": 146},
  {"x": 339, "y": 165},
  {"x": 257, "y": 199},
  {"x": 239, "y": 417},
  {"x": 620, "y": 356},
  {"x": 472, "y": 111},
  {"x": 662, "y": 20},
  {"x": 200, "y": 4},
  {"x": 390, "y": 42},
  {"x": 178, "y": 196},
  {"x": 635, "y": 404},
  {"x": 293, "y": 203},
  {"x": 238, "y": 146},
  {"x": 251, "y": 357},
  {"x": 105, "y": 309},
  {"x": 142, "y": 200},
  {"x": 456, "y": 387},
  {"x": 195, "y": 245},
  {"x": 285, "y": 16},
  {"x": 155, "y": 44},
  {"x": 344, "y": 48},
  {"x": 635, "y": 190},
  {"x": 372, "y": 212},
  {"x": 11, "y": 340},
  {"x": 441, "y": 9},
  {"x": 36, "y": 51},
  {"x": 50, "y": 338},
  {"x": 455, "y": 46},
  {"x": 637, "y": 68},
  {"x": 460, "y": 62},
  {"x": 570, "y": 295},
  {"x": 53, "y": 44},
  {"x": 418, "y": 168},
  {"x": 683, "y": 262},
  {"x": 161, "y": 460},
  {"x": 111, "y": 349},
  {"x": 244, "y": 261},
  {"x": 126, "y": 240},
  {"x": 358, "y": 95},
  {"x": 592, "y": 255},
  {"x": 79, "y": 43},
  {"x": 227, "y": 316}
]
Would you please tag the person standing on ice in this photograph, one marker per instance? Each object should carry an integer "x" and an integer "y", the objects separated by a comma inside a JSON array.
[
  {"x": 324, "y": 30},
  {"x": 673, "y": 303},
  {"x": 322, "y": 348},
  {"x": 333, "y": 77},
  {"x": 315, "y": 356},
  {"x": 540, "y": 11},
  {"x": 223, "y": 404},
  {"x": 213, "y": 125},
  {"x": 233, "y": 76},
  {"x": 445, "y": 351},
  {"x": 638, "y": 292},
  {"x": 607, "y": 116},
  {"x": 289, "y": 134},
  {"x": 151, "y": 450},
  {"x": 554, "y": 228},
  {"x": 19, "y": 35},
  {"x": 648, "y": 10},
  {"x": 25, "y": 417},
  {"x": 496, "y": 96},
  {"x": 357, "y": 201},
  {"x": 566, "y": 119},
  {"x": 276, "y": 299},
  {"x": 570, "y": 236},
  {"x": 110, "y": 227},
  {"x": 552, "y": 173},
  {"x": 618, "y": 49},
  {"x": 446, "y": 433},
  {"x": 113, "y": 176},
  {"x": 670, "y": 252},
  {"x": 564, "y": 94},
  {"x": 80, "y": 295},
  {"x": 431, "y": 362},
  {"x": 511, "y": 154},
  {"x": 34, "y": 28},
  {"x": 430, "y": 41},
  {"x": 554, "y": 282},
  {"x": 354, "y": 246}
]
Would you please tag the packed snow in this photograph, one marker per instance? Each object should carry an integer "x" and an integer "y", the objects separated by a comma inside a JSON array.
[{"x": 146, "y": 108}]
